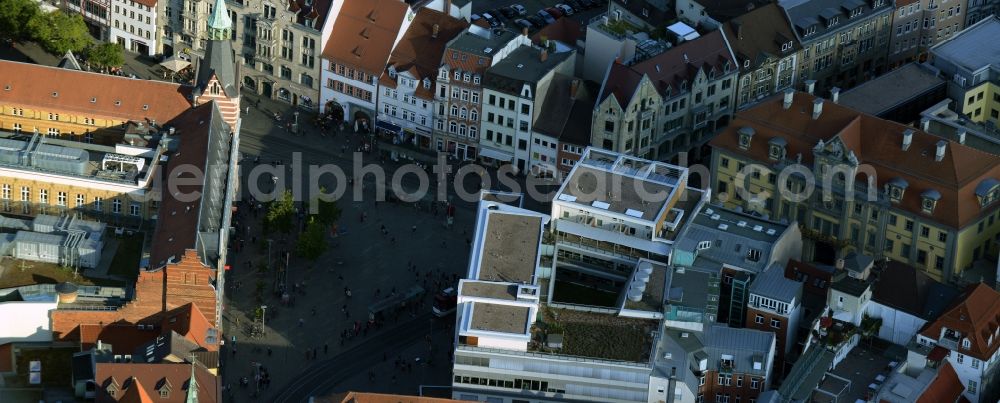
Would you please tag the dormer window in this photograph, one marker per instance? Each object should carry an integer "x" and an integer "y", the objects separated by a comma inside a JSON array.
[
  {"x": 809, "y": 31},
  {"x": 833, "y": 21},
  {"x": 988, "y": 191},
  {"x": 704, "y": 245},
  {"x": 746, "y": 134},
  {"x": 776, "y": 148},
  {"x": 458, "y": 75},
  {"x": 897, "y": 186},
  {"x": 928, "y": 200},
  {"x": 427, "y": 83},
  {"x": 966, "y": 344},
  {"x": 392, "y": 72},
  {"x": 786, "y": 46},
  {"x": 746, "y": 63},
  {"x": 466, "y": 77},
  {"x": 684, "y": 85},
  {"x": 855, "y": 12},
  {"x": 878, "y": 3},
  {"x": 753, "y": 255},
  {"x": 443, "y": 74}
]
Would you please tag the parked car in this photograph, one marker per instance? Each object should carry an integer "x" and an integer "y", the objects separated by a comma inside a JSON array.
[
  {"x": 566, "y": 10},
  {"x": 546, "y": 16},
  {"x": 496, "y": 13},
  {"x": 519, "y": 9},
  {"x": 475, "y": 17},
  {"x": 554, "y": 12},
  {"x": 587, "y": 4},
  {"x": 537, "y": 21},
  {"x": 508, "y": 12},
  {"x": 577, "y": 7},
  {"x": 523, "y": 23},
  {"x": 493, "y": 21}
]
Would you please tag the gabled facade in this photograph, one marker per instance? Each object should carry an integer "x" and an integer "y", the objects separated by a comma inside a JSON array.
[
  {"x": 969, "y": 333},
  {"x": 843, "y": 43},
  {"x": 406, "y": 100},
  {"x": 670, "y": 103},
  {"x": 216, "y": 73},
  {"x": 918, "y": 25},
  {"x": 459, "y": 101},
  {"x": 767, "y": 53}
]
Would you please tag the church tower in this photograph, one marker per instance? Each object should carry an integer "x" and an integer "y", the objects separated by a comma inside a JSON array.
[{"x": 216, "y": 78}]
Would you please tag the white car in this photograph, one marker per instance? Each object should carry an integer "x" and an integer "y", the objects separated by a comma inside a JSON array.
[
  {"x": 565, "y": 9},
  {"x": 520, "y": 9}
]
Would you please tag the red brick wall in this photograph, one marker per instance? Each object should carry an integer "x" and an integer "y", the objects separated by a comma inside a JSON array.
[
  {"x": 155, "y": 293},
  {"x": 780, "y": 335},
  {"x": 712, "y": 388}
]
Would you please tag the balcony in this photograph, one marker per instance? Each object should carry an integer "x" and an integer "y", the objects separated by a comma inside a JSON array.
[{"x": 267, "y": 58}]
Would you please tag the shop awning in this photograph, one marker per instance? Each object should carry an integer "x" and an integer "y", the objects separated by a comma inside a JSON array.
[
  {"x": 388, "y": 126},
  {"x": 495, "y": 154}
]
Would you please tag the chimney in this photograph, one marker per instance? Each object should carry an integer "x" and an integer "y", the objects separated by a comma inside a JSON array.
[
  {"x": 810, "y": 86},
  {"x": 817, "y": 108},
  {"x": 435, "y": 30},
  {"x": 789, "y": 97},
  {"x": 543, "y": 56},
  {"x": 834, "y": 94},
  {"x": 939, "y": 153},
  {"x": 573, "y": 86},
  {"x": 447, "y": 7},
  {"x": 524, "y": 31},
  {"x": 907, "y": 139},
  {"x": 925, "y": 123},
  {"x": 961, "y": 135},
  {"x": 840, "y": 264},
  {"x": 67, "y": 292}
]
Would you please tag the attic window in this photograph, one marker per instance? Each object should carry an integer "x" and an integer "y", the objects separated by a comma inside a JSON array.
[
  {"x": 897, "y": 186},
  {"x": 855, "y": 12},
  {"x": 966, "y": 344},
  {"x": 93, "y": 100},
  {"x": 145, "y": 107},
  {"x": 746, "y": 135},
  {"x": 164, "y": 393},
  {"x": 704, "y": 245},
  {"x": 786, "y": 46},
  {"x": 928, "y": 200},
  {"x": 118, "y": 103},
  {"x": 753, "y": 255},
  {"x": 427, "y": 83},
  {"x": 776, "y": 152},
  {"x": 746, "y": 64},
  {"x": 6, "y": 87},
  {"x": 809, "y": 31},
  {"x": 726, "y": 67},
  {"x": 833, "y": 21},
  {"x": 55, "y": 94}
]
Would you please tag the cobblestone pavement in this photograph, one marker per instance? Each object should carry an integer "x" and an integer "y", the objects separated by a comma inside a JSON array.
[{"x": 361, "y": 258}]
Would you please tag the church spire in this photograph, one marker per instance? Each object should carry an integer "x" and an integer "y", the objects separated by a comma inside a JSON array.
[
  {"x": 219, "y": 22},
  {"x": 192, "y": 392}
]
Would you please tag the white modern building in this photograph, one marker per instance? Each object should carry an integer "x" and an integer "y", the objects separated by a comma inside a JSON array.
[{"x": 133, "y": 25}]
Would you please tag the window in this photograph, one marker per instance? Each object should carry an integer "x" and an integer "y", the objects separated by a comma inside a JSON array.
[
  {"x": 754, "y": 383},
  {"x": 943, "y": 237},
  {"x": 79, "y": 201},
  {"x": 776, "y": 323},
  {"x": 6, "y": 192},
  {"x": 759, "y": 319},
  {"x": 25, "y": 194},
  {"x": 43, "y": 196},
  {"x": 61, "y": 199},
  {"x": 921, "y": 256},
  {"x": 116, "y": 206},
  {"x": 973, "y": 385},
  {"x": 909, "y": 225},
  {"x": 98, "y": 204},
  {"x": 925, "y": 232},
  {"x": 134, "y": 209}
]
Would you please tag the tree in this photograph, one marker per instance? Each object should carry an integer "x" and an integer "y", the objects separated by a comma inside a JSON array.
[
  {"x": 327, "y": 211},
  {"x": 312, "y": 242},
  {"x": 106, "y": 55},
  {"x": 280, "y": 214},
  {"x": 59, "y": 32},
  {"x": 13, "y": 14}
]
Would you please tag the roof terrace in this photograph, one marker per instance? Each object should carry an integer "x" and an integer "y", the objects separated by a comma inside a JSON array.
[
  {"x": 509, "y": 247},
  {"x": 594, "y": 335}
]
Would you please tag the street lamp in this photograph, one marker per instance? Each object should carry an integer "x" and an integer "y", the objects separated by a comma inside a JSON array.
[{"x": 263, "y": 315}]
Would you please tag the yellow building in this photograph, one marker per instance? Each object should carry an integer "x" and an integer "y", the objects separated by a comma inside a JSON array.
[
  {"x": 967, "y": 60},
  {"x": 83, "y": 142},
  {"x": 916, "y": 198}
]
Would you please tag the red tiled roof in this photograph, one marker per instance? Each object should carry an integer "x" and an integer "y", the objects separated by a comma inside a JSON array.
[
  {"x": 304, "y": 11},
  {"x": 365, "y": 32},
  {"x": 937, "y": 354},
  {"x": 123, "y": 337},
  {"x": 155, "y": 377},
  {"x": 32, "y": 86},
  {"x": 135, "y": 394},
  {"x": 875, "y": 142},
  {"x": 190, "y": 322},
  {"x": 622, "y": 83},
  {"x": 419, "y": 51},
  {"x": 976, "y": 316},
  {"x": 946, "y": 387}
]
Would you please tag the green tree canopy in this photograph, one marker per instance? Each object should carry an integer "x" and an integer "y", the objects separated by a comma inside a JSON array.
[
  {"x": 312, "y": 242},
  {"x": 327, "y": 211},
  {"x": 13, "y": 15},
  {"x": 106, "y": 55},
  {"x": 58, "y": 32},
  {"x": 280, "y": 214}
]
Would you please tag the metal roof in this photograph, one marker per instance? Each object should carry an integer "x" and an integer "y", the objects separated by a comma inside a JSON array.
[
  {"x": 974, "y": 47},
  {"x": 773, "y": 284}
]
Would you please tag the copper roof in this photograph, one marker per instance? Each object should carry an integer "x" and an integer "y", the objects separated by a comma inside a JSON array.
[
  {"x": 419, "y": 51},
  {"x": 976, "y": 316},
  {"x": 155, "y": 377},
  {"x": 955, "y": 176},
  {"x": 364, "y": 33},
  {"x": 759, "y": 35},
  {"x": 99, "y": 95}
]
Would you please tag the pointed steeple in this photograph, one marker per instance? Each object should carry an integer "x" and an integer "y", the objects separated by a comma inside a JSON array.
[
  {"x": 219, "y": 22},
  {"x": 192, "y": 392}
]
